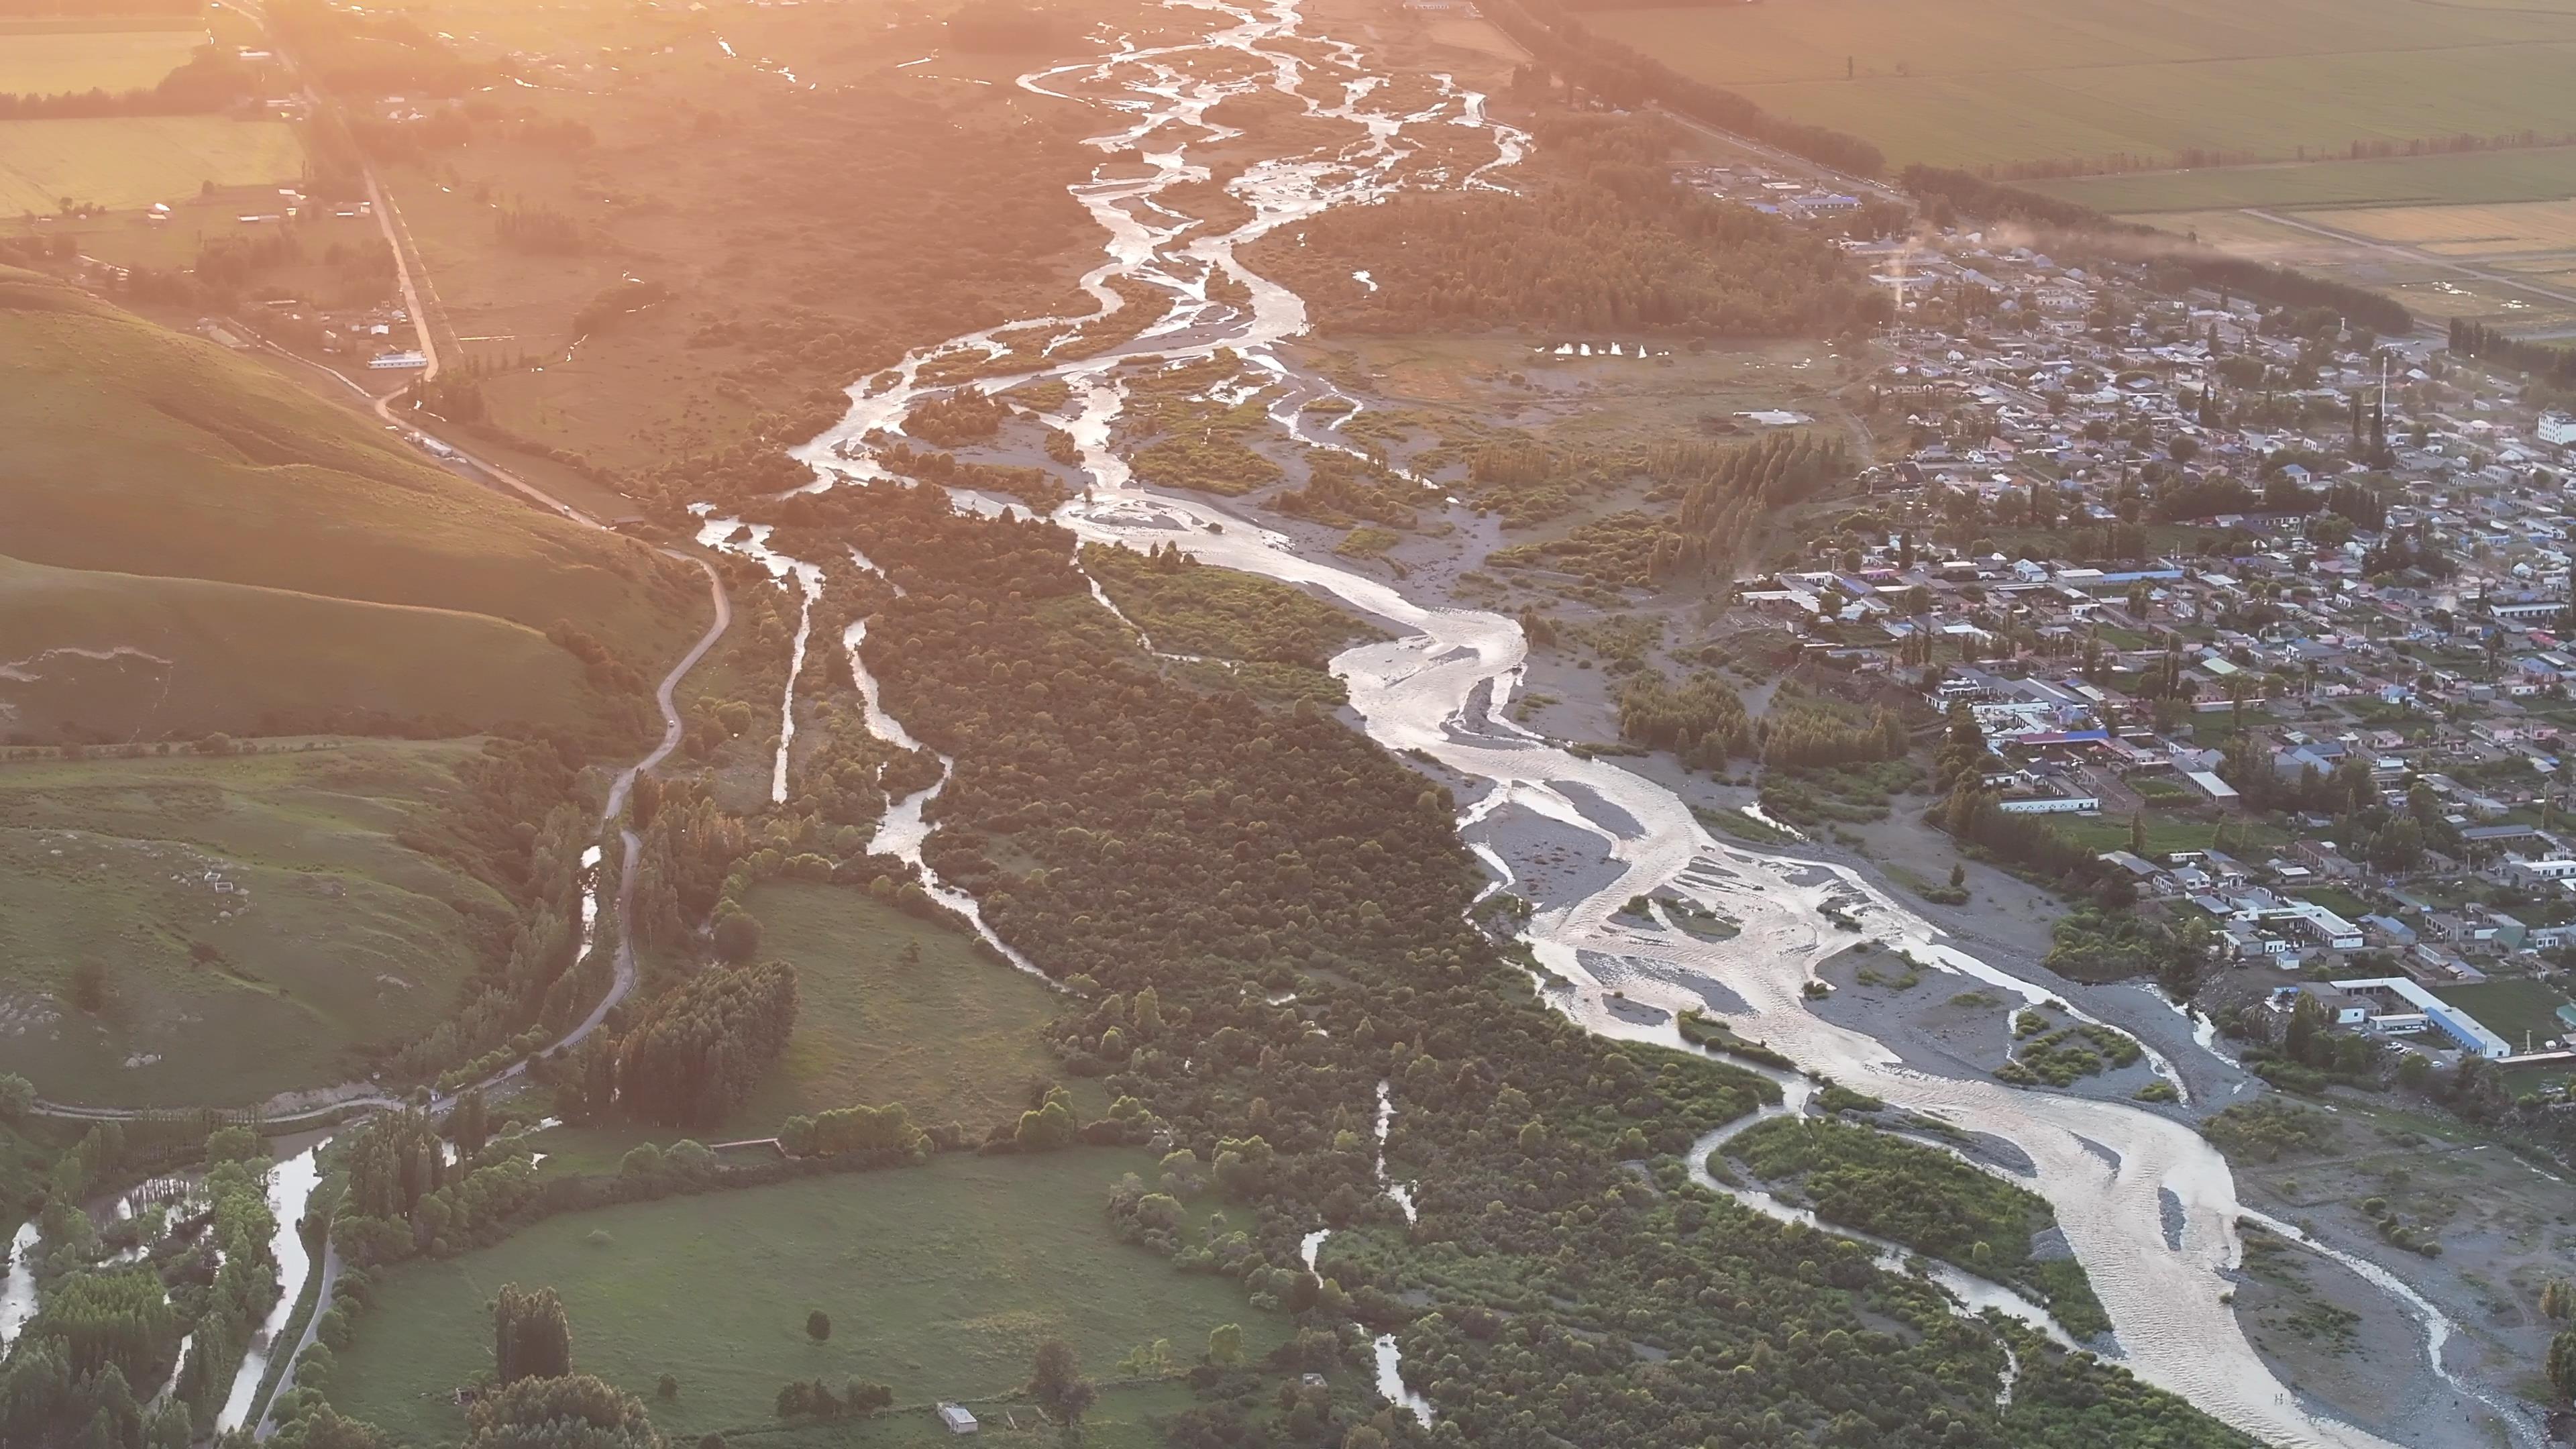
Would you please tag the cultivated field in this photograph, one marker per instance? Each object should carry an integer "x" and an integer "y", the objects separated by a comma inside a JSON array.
[
  {"x": 53, "y": 62},
  {"x": 124, "y": 162},
  {"x": 2479, "y": 178},
  {"x": 1998, "y": 81},
  {"x": 940, "y": 1281},
  {"x": 253, "y": 919}
]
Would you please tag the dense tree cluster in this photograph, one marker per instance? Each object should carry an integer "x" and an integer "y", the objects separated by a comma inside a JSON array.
[
  {"x": 1726, "y": 491},
  {"x": 1702, "y": 721},
  {"x": 2540, "y": 359},
  {"x": 1924, "y": 1198},
  {"x": 531, "y": 1335},
  {"x": 695, "y": 1052},
  {"x": 1609, "y": 244}
]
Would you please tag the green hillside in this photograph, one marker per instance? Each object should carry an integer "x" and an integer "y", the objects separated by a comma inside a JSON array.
[
  {"x": 118, "y": 656},
  {"x": 127, "y": 449}
]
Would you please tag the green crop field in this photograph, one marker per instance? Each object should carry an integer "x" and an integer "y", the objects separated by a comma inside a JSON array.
[
  {"x": 108, "y": 60},
  {"x": 129, "y": 449},
  {"x": 254, "y": 916},
  {"x": 2514, "y": 1010},
  {"x": 940, "y": 1281},
  {"x": 2477, "y": 179},
  {"x": 1996, "y": 81},
  {"x": 124, "y": 162}
]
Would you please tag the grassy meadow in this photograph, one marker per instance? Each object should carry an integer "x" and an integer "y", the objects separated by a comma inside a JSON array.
[
  {"x": 53, "y": 62},
  {"x": 1999, "y": 81},
  {"x": 254, "y": 915},
  {"x": 124, "y": 162},
  {"x": 953, "y": 1036},
  {"x": 122, "y": 656},
  {"x": 940, "y": 1281},
  {"x": 125, "y": 448}
]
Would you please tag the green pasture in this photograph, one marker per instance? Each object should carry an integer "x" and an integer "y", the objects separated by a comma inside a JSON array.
[
  {"x": 254, "y": 917},
  {"x": 940, "y": 1281},
  {"x": 127, "y": 448},
  {"x": 953, "y": 1035}
]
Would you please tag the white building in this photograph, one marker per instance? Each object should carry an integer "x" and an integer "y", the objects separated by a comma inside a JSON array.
[{"x": 2557, "y": 429}]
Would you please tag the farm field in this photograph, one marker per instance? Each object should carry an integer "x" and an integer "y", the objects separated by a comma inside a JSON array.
[
  {"x": 254, "y": 916},
  {"x": 2019, "y": 80},
  {"x": 126, "y": 162},
  {"x": 53, "y": 62},
  {"x": 2512, "y": 1010},
  {"x": 940, "y": 1281},
  {"x": 2476, "y": 178}
]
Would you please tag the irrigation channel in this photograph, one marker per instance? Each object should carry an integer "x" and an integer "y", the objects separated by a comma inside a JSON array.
[{"x": 2148, "y": 1206}]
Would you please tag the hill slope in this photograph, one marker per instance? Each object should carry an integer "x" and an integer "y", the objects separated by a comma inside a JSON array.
[
  {"x": 142, "y": 455},
  {"x": 118, "y": 656}
]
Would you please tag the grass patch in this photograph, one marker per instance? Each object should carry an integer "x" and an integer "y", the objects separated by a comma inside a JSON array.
[
  {"x": 948, "y": 1032},
  {"x": 1924, "y": 1198},
  {"x": 123, "y": 162},
  {"x": 318, "y": 933},
  {"x": 116, "y": 656},
  {"x": 940, "y": 1281},
  {"x": 128, "y": 449},
  {"x": 2513, "y": 1010}
]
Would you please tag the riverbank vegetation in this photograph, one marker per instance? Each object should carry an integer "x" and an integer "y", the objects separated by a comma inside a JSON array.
[
  {"x": 1601, "y": 241},
  {"x": 1927, "y": 1199}
]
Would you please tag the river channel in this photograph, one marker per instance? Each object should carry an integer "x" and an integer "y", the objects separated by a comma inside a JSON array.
[{"x": 2147, "y": 1205}]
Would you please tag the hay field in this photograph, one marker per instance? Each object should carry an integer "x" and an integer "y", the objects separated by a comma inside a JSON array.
[
  {"x": 2478, "y": 178},
  {"x": 125, "y": 162},
  {"x": 2014, "y": 80},
  {"x": 109, "y": 60},
  {"x": 2513, "y": 228}
]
